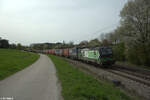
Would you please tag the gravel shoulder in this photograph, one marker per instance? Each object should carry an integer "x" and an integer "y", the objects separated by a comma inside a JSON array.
[{"x": 36, "y": 82}]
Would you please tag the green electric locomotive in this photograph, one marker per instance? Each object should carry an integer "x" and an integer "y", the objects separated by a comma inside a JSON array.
[{"x": 98, "y": 55}]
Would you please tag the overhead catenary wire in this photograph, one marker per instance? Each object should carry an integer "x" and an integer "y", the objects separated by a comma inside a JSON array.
[
  {"x": 102, "y": 30},
  {"x": 98, "y": 31}
]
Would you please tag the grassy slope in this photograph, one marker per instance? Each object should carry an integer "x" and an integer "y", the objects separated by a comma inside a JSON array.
[
  {"x": 77, "y": 85},
  {"x": 12, "y": 61}
]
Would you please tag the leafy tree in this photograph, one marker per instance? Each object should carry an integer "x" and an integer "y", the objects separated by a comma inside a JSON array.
[
  {"x": 119, "y": 51},
  {"x": 94, "y": 42},
  {"x": 105, "y": 42},
  {"x": 13, "y": 46},
  {"x": 4, "y": 43},
  {"x": 71, "y": 44},
  {"x": 19, "y": 46},
  {"x": 135, "y": 25},
  {"x": 83, "y": 43}
]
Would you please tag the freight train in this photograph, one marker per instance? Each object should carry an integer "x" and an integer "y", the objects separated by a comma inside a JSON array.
[{"x": 98, "y": 55}]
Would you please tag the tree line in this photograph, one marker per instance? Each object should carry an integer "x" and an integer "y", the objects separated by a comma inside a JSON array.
[
  {"x": 4, "y": 43},
  {"x": 131, "y": 40}
]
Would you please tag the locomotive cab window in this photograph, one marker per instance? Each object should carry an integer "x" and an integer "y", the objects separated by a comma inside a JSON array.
[
  {"x": 106, "y": 51},
  {"x": 94, "y": 52}
]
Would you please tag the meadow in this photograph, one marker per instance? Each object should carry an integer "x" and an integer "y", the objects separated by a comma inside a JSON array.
[{"x": 12, "y": 61}]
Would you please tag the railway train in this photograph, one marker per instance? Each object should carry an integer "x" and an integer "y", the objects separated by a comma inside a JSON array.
[{"x": 98, "y": 55}]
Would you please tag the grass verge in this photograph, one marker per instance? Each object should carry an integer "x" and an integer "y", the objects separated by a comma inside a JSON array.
[
  {"x": 77, "y": 85},
  {"x": 12, "y": 61}
]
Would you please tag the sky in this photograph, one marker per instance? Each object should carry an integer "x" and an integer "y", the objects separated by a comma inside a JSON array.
[{"x": 39, "y": 21}]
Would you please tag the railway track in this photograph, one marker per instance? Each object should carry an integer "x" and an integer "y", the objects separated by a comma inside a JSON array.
[
  {"x": 143, "y": 76},
  {"x": 132, "y": 76},
  {"x": 129, "y": 74}
]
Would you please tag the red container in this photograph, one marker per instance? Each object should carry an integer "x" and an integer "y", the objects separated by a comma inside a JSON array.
[
  {"x": 66, "y": 52},
  {"x": 49, "y": 51},
  {"x": 46, "y": 51},
  {"x": 53, "y": 51}
]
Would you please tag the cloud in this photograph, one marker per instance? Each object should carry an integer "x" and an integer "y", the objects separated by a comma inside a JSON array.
[{"x": 29, "y": 21}]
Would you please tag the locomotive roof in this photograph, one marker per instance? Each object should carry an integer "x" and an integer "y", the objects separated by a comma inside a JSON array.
[{"x": 95, "y": 48}]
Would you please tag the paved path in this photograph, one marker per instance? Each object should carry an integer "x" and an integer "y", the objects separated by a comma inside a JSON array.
[{"x": 36, "y": 82}]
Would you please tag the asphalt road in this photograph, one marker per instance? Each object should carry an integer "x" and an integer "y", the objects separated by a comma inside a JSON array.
[{"x": 36, "y": 82}]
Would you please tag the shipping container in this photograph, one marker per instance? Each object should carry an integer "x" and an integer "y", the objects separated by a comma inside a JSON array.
[
  {"x": 66, "y": 52},
  {"x": 53, "y": 51},
  {"x": 73, "y": 53},
  {"x": 58, "y": 52}
]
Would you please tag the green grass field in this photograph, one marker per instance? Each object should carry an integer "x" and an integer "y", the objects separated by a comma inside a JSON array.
[
  {"x": 12, "y": 61},
  {"x": 77, "y": 85}
]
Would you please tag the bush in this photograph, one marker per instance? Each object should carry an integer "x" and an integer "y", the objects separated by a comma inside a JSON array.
[
  {"x": 139, "y": 55},
  {"x": 119, "y": 52}
]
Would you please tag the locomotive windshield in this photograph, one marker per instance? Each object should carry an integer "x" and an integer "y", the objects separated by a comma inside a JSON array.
[{"x": 105, "y": 51}]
